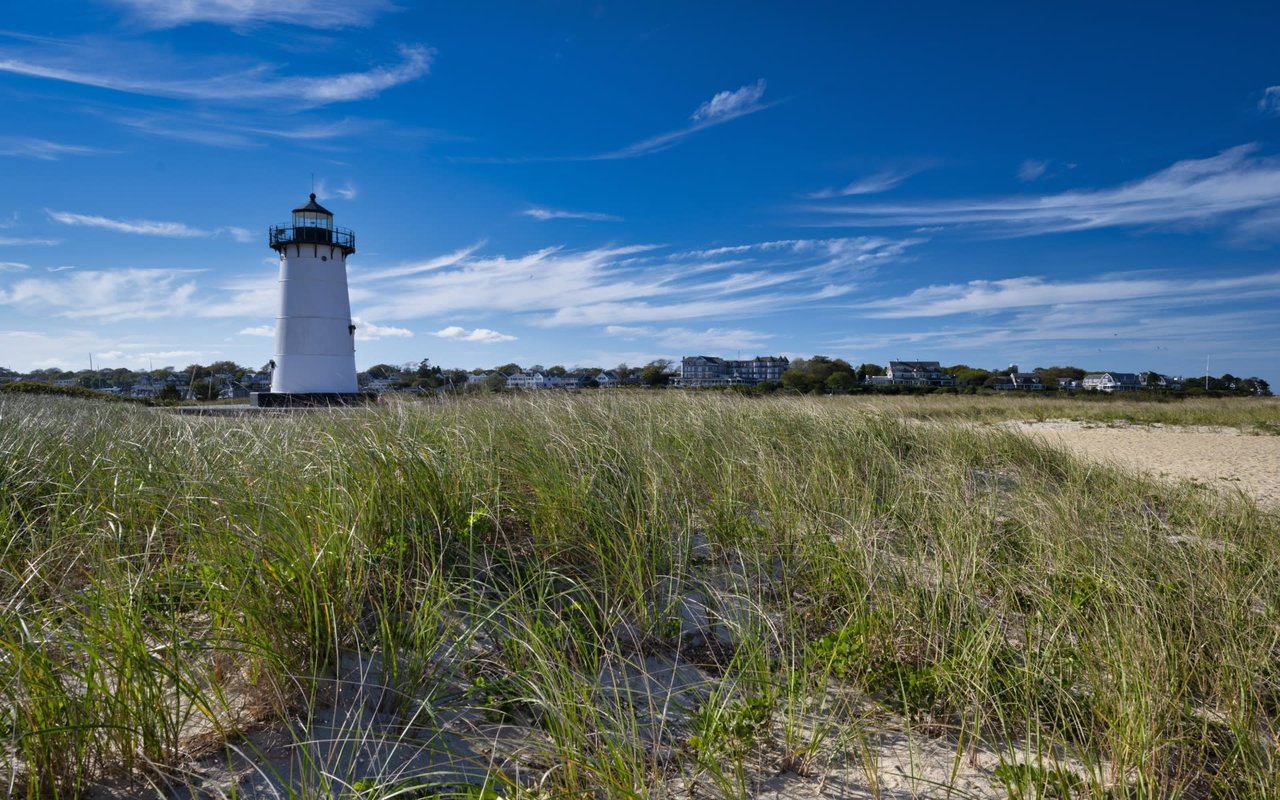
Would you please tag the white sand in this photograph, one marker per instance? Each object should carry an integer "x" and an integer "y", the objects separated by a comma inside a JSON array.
[{"x": 1222, "y": 458}]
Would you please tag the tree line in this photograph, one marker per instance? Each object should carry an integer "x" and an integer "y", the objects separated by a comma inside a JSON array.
[{"x": 817, "y": 375}]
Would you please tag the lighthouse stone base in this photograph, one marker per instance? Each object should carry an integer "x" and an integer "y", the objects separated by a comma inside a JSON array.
[{"x": 310, "y": 399}]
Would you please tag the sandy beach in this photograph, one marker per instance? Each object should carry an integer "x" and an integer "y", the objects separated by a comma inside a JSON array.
[{"x": 1223, "y": 458}]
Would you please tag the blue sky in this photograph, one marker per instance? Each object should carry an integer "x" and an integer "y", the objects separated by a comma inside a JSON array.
[{"x": 1093, "y": 184}]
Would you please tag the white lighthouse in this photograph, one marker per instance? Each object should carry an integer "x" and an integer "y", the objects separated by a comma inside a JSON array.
[{"x": 315, "y": 360}]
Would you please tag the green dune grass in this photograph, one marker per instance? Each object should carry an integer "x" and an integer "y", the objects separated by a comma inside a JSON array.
[{"x": 169, "y": 585}]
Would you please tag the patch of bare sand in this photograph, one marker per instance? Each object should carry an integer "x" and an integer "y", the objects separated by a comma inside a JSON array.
[{"x": 1222, "y": 458}]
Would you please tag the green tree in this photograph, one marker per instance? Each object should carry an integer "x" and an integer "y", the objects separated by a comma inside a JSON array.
[
  {"x": 205, "y": 389},
  {"x": 228, "y": 367},
  {"x": 811, "y": 375},
  {"x": 1053, "y": 377},
  {"x": 870, "y": 371},
  {"x": 841, "y": 381},
  {"x": 1258, "y": 386},
  {"x": 656, "y": 372},
  {"x": 966, "y": 375},
  {"x": 455, "y": 377}
]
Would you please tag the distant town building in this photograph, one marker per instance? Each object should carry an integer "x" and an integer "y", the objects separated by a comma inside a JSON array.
[
  {"x": 527, "y": 380},
  {"x": 1154, "y": 380},
  {"x": 1021, "y": 381},
  {"x": 1112, "y": 382},
  {"x": 698, "y": 371},
  {"x": 918, "y": 373}
]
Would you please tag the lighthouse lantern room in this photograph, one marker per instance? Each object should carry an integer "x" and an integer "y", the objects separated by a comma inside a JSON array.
[{"x": 315, "y": 362}]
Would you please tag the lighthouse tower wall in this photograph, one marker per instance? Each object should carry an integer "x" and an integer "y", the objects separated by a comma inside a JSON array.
[{"x": 315, "y": 340}]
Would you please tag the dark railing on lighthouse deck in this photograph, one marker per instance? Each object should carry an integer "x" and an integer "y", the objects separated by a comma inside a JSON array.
[{"x": 285, "y": 235}]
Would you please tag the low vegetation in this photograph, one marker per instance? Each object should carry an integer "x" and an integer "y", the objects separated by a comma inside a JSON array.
[
  {"x": 627, "y": 594},
  {"x": 33, "y": 388},
  {"x": 1260, "y": 415}
]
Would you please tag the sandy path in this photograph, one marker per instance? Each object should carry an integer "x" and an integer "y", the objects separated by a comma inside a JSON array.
[{"x": 1220, "y": 457}]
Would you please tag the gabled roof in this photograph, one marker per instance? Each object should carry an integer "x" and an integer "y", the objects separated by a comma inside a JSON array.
[{"x": 1118, "y": 377}]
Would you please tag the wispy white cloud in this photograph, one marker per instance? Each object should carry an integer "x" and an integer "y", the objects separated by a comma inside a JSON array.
[
  {"x": 321, "y": 14},
  {"x": 1257, "y": 229},
  {"x": 8, "y": 241},
  {"x": 727, "y": 105},
  {"x": 169, "y": 355},
  {"x": 68, "y": 348},
  {"x": 1230, "y": 187},
  {"x": 245, "y": 296},
  {"x": 14, "y": 241},
  {"x": 147, "y": 227},
  {"x": 255, "y": 84},
  {"x": 1033, "y": 292},
  {"x": 362, "y": 275},
  {"x": 637, "y": 285},
  {"x": 230, "y": 129},
  {"x": 688, "y": 339},
  {"x": 1031, "y": 169},
  {"x": 346, "y": 191},
  {"x": 142, "y": 227},
  {"x": 721, "y": 108},
  {"x": 105, "y": 294},
  {"x": 370, "y": 332},
  {"x": 624, "y": 285},
  {"x": 856, "y": 251},
  {"x": 544, "y": 214},
  {"x": 13, "y": 266},
  {"x": 1270, "y": 101},
  {"x": 481, "y": 335},
  {"x": 42, "y": 149},
  {"x": 1121, "y": 335},
  {"x": 881, "y": 181}
]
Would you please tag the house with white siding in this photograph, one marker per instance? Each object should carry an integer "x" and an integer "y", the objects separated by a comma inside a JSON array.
[
  {"x": 527, "y": 380},
  {"x": 1112, "y": 382},
  {"x": 713, "y": 371},
  {"x": 918, "y": 373},
  {"x": 1021, "y": 381}
]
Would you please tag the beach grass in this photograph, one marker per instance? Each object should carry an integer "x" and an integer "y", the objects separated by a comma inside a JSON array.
[
  {"x": 624, "y": 594},
  {"x": 1255, "y": 415}
]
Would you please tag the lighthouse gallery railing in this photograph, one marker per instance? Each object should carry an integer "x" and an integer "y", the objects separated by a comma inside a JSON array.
[{"x": 289, "y": 234}]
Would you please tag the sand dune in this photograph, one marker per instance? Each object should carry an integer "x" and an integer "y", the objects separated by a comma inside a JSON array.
[{"x": 1223, "y": 458}]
